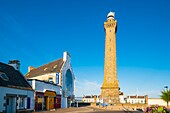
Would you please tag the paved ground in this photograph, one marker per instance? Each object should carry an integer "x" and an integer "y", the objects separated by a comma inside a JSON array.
[
  {"x": 115, "y": 109},
  {"x": 87, "y": 110}
]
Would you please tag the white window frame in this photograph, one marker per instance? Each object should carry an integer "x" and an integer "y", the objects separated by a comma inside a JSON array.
[{"x": 22, "y": 102}]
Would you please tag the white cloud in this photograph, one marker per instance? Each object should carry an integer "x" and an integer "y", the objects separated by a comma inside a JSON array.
[{"x": 87, "y": 87}]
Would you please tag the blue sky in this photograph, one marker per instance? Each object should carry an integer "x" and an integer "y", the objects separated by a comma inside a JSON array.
[{"x": 39, "y": 31}]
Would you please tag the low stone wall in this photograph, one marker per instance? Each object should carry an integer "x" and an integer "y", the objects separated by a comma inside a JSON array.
[
  {"x": 133, "y": 105},
  {"x": 128, "y": 106},
  {"x": 125, "y": 106}
]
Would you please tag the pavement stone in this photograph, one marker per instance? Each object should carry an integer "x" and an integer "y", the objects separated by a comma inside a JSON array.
[{"x": 89, "y": 109}]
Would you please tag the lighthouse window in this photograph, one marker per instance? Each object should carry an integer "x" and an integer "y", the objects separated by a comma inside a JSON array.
[
  {"x": 110, "y": 30},
  {"x": 110, "y": 49}
]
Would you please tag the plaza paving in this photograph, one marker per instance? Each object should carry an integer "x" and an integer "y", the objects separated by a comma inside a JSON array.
[{"x": 89, "y": 110}]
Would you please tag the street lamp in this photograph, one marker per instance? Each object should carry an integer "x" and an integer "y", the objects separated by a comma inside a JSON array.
[{"x": 166, "y": 87}]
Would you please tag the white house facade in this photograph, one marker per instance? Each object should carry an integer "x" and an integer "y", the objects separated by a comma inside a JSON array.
[
  {"x": 68, "y": 82},
  {"x": 47, "y": 95},
  {"x": 95, "y": 98},
  {"x": 58, "y": 72},
  {"x": 90, "y": 99},
  {"x": 16, "y": 100},
  {"x": 16, "y": 94},
  {"x": 121, "y": 97},
  {"x": 136, "y": 99}
]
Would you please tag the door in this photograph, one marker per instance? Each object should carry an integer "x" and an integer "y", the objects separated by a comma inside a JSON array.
[
  {"x": 51, "y": 102},
  {"x": 68, "y": 102},
  {"x": 58, "y": 101},
  {"x": 11, "y": 105}
]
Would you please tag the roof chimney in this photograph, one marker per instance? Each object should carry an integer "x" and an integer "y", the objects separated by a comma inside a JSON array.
[
  {"x": 66, "y": 56},
  {"x": 15, "y": 64},
  {"x": 30, "y": 68}
]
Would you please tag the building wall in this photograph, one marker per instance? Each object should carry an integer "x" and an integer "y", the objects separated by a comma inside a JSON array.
[
  {"x": 46, "y": 77},
  {"x": 136, "y": 100},
  {"x": 121, "y": 97},
  {"x": 62, "y": 80},
  {"x": 51, "y": 91},
  {"x": 42, "y": 87},
  {"x": 88, "y": 99},
  {"x": 5, "y": 90},
  {"x": 159, "y": 101},
  {"x": 67, "y": 66},
  {"x": 91, "y": 99}
]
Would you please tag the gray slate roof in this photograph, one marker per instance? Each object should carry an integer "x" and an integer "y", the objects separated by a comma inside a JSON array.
[
  {"x": 51, "y": 67},
  {"x": 15, "y": 78}
]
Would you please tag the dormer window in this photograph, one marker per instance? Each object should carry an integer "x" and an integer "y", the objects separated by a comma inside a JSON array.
[
  {"x": 45, "y": 69},
  {"x": 50, "y": 80},
  {"x": 55, "y": 66},
  {"x": 3, "y": 76}
]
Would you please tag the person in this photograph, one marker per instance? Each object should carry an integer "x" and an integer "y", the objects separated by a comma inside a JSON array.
[{"x": 106, "y": 105}]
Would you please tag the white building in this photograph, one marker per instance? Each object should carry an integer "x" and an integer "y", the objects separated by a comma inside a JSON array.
[
  {"x": 16, "y": 93},
  {"x": 121, "y": 97},
  {"x": 57, "y": 72},
  {"x": 47, "y": 95},
  {"x": 136, "y": 99},
  {"x": 95, "y": 98},
  {"x": 90, "y": 99}
]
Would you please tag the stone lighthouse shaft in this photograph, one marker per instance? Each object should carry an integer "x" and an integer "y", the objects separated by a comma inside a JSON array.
[{"x": 110, "y": 86}]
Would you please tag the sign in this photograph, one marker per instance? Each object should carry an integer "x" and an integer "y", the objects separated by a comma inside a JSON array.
[{"x": 57, "y": 78}]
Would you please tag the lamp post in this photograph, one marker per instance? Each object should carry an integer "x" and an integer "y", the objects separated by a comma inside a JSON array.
[
  {"x": 166, "y": 87},
  {"x": 167, "y": 93}
]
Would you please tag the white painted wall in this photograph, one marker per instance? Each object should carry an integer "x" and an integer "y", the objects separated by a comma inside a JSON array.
[
  {"x": 159, "y": 101},
  {"x": 42, "y": 87},
  {"x": 121, "y": 97},
  {"x": 5, "y": 90},
  {"x": 48, "y": 75},
  {"x": 136, "y": 100},
  {"x": 67, "y": 65},
  {"x": 90, "y": 99}
]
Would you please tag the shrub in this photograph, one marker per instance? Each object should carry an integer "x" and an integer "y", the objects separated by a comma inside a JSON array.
[{"x": 156, "y": 109}]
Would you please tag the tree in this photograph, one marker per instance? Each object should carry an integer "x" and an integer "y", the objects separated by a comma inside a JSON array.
[{"x": 166, "y": 95}]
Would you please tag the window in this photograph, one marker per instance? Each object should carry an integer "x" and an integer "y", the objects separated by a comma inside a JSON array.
[
  {"x": 7, "y": 101},
  {"x": 28, "y": 102},
  {"x": 50, "y": 80},
  {"x": 21, "y": 102},
  {"x": 3, "y": 76},
  {"x": 45, "y": 69},
  {"x": 55, "y": 66}
]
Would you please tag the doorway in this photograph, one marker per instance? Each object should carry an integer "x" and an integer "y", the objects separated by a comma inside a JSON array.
[{"x": 11, "y": 104}]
